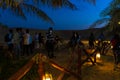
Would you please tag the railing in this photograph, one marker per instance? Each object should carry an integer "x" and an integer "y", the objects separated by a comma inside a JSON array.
[
  {"x": 40, "y": 59},
  {"x": 21, "y": 72}
]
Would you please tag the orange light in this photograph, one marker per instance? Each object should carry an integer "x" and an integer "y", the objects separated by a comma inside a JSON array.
[
  {"x": 96, "y": 41},
  {"x": 98, "y": 56},
  {"x": 47, "y": 76},
  {"x": 111, "y": 47},
  {"x": 108, "y": 41},
  {"x": 119, "y": 22}
]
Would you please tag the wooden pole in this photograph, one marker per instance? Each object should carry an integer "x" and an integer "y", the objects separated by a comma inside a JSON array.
[
  {"x": 40, "y": 67},
  {"x": 79, "y": 63}
]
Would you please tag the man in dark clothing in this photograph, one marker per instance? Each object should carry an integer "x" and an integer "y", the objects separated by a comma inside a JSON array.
[
  {"x": 91, "y": 40},
  {"x": 50, "y": 43},
  {"x": 41, "y": 39},
  {"x": 10, "y": 40},
  {"x": 116, "y": 49}
]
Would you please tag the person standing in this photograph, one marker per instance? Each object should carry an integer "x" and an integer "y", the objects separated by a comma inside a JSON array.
[
  {"x": 16, "y": 42},
  {"x": 50, "y": 43},
  {"x": 36, "y": 40},
  {"x": 74, "y": 40},
  {"x": 9, "y": 40},
  {"x": 26, "y": 43},
  {"x": 91, "y": 40},
  {"x": 115, "y": 41},
  {"x": 41, "y": 40}
]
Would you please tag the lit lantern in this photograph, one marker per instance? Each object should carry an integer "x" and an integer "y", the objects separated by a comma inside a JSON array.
[
  {"x": 108, "y": 41},
  {"x": 96, "y": 41},
  {"x": 111, "y": 47},
  {"x": 47, "y": 76},
  {"x": 119, "y": 22},
  {"x": 98, "y": 56}
]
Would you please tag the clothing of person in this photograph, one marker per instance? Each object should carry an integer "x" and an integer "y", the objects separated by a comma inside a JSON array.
[
  {"x": 16, "y": 42},
  {"x": 91, "y": 40},
  {"x": 36, "y": 41},
  {"x": 50, "y": 44},
  {"x": 115, "y": 41},
  {"x": 10, "y": 42},
  {"x": 26, "y": 43}
]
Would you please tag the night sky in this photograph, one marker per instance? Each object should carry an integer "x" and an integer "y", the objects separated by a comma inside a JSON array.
[{"x": 64, "y": 18}]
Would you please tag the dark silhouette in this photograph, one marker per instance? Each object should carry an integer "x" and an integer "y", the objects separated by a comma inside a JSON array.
[
  {"x": 26, "y": 43},
  {"x": 91, "y": 40},
  {"x": 9, "y": 40},
  {"x": 116, "y": 48},
  {"x": 50, "y": 43},
  {"x": 41, "y": 39}
]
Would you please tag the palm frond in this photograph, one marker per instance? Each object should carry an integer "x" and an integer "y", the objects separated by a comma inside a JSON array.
[
  {"x": 99, "y": 22},
  {"x": 18, "y": 11},
  {"x": 69, "y": 4},
  {"x": 114, "y": 5},
  {"x": 38, "y": 12},
  {"x": 57, "y": 3},
  {"x": 91, "y": 1}
]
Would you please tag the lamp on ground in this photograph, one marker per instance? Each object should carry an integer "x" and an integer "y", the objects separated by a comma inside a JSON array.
[
  {"x": 98, "y": 56},
  {"x": 96, "y": 41},
  {"x": 118, "y": 22},
  {"x": 47, "y": 76},
  {"x": 111, "y": 47},
  {"x": 108, "y": 41}
]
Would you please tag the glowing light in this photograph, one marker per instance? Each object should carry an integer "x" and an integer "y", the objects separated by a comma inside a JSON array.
[
  {"x": 96, "y": 41},
  {"x": 47, "y": 76},
  {"x": 108, "y": 41},
  {"x": 119, "y": 22},
  {"x": 111, "y": 47},
  {"x": 98, "y": 56}
]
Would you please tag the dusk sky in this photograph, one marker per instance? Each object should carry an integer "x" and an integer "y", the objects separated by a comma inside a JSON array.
[{"x": 64, "y": 18}]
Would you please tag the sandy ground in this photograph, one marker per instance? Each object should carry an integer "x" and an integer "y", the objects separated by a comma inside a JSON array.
[{"x": 102, "y": 70}]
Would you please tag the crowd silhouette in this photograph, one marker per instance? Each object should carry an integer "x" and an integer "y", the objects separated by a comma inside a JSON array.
[{"x": 21, "y": 42}]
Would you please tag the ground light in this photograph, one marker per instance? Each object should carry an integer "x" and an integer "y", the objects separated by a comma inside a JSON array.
[
  {"x": 47, "y": 76},
  {"x": 119, "y": 22},
  {"x": 96, "y": 41},
  {"x": 98, "y": 56},
  {"x": 111, "y": 47}
]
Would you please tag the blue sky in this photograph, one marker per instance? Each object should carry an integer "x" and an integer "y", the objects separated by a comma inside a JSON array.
[{"x": 63, "y": 18}]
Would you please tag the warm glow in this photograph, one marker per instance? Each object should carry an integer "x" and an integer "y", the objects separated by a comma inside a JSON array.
[
  {"x": 96, "y": 41},
  {"x": 98, "y": 55},
  {"x": 108, "y": 41},
  {"x": 119, "y": 22},
  {"x": 47, "y": 76},
  {"x": 111, "y": 47}
]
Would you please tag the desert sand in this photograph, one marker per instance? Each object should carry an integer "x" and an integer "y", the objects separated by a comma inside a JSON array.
[{"x": 102, "y": 70}]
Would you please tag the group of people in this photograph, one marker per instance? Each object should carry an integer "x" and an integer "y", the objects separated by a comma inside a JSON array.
[
  {"x": 20, "y": 42},
  {"x": 115, "y": 42},
  {"x": 92, "y": 40}
]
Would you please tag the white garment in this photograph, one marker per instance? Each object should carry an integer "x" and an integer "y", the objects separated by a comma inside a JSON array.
[{"x": 26, "y": 37}]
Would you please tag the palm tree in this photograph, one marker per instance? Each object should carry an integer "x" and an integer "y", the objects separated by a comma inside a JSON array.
[
  {"x": 113, "y": 11},
  {"x": 18, "y": 7},
  {"x": 99, "y": 22}
]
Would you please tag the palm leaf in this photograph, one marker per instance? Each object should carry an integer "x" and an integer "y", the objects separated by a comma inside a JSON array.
[
  {"x": 38, "y": 12},
  {"x": 91, "y": 1},
  {"x": 58, "y": 3},
  {"x": 17, "y": 6},
  {"x": 18, "y": 11},
  {"x": 99, "y": 22}
]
